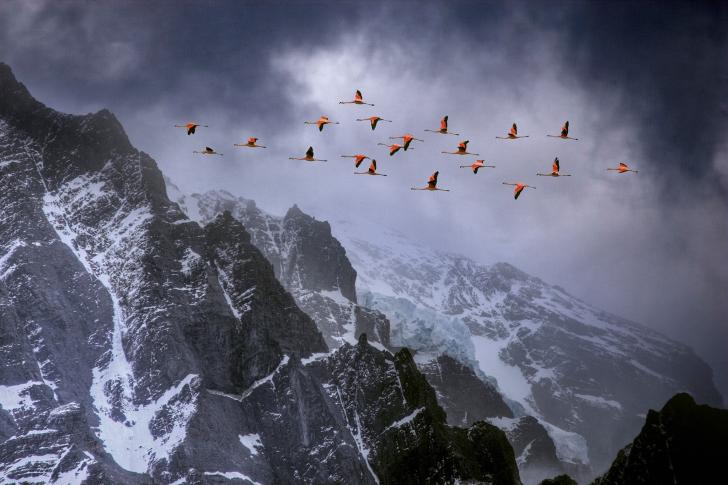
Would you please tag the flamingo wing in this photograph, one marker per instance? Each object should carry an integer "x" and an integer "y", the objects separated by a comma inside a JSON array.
[
  {"x": 556, "y": 166},
  {"x": 309, "y": 152},
  {"x": 514, "y": 130},
  {"x": 191, "y": 129},
  {"x": 358, "y": 96},
  {"x": 565, "y": 129},
  {"x": 443, "y": 123},
  {"x": 373, "y": 167},
  {"x": 463, "y": 145}
]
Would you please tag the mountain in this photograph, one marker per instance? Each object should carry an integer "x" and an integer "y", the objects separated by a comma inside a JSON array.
[
  {"x": 518, "y": 346},
  {"x": 138, "y": 346},
  {"x": 287, "y": 242},
  {"x": 587, "y": 375},
  {"x": 306, "y": 258},
  {"x": 683, "y": 443}
]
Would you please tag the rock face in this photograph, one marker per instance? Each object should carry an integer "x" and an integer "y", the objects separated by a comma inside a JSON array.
[
  {"x": 306, "y": 258},
  {"x": 684, "y": 443},
  {"x": 138, "y": 347},
  {"x": 464, "y": 396},
  {"x": 587, "y": 375},
  {"x": 559, "y": 480},
  {"x": 407, "y": 440}
]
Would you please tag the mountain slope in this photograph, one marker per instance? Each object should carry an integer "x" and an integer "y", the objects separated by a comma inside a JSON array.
[
  {"x": 140, "y": 347},
  {"x": 306, "y": 258}
]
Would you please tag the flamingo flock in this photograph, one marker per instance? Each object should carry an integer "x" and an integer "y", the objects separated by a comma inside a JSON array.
[{"x": 405, "y": 145}]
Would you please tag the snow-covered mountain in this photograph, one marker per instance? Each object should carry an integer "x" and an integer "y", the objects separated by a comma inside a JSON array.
[
  {"x": 138, "y": 346},
  {"x": 587, "y": 376},
  {"x": 582, "y": 371}
]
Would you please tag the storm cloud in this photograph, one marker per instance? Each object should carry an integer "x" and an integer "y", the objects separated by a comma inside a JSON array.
[{"x": 643, "y": 83}]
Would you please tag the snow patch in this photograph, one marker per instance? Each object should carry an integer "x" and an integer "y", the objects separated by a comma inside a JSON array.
[
  {"x": 511, "y": 380},
  {"x": 17, "y": 397},
  {"x": 233, "y": 476},
  {"x": 570, "y": 447},
  {"x": 404, "y": 421},
  {"x": 599, "y": 401},
  {"x": 251, "y": 442}
]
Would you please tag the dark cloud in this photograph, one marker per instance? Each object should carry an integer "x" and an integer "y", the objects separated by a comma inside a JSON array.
[{"x": 640, "y": 82}]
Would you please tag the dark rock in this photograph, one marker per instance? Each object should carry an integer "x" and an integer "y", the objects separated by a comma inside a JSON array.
[{"x": 684, "y": 443}]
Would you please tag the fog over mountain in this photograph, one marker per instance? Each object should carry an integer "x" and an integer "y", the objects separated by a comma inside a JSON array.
[{"x": 648, "y": 247}]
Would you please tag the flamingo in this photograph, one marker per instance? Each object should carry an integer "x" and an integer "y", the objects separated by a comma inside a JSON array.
[
  {"x": 394, "y": 148},
  {"x": 462, "y": 149},
  {"x": 207, "y": 151},
  {"x": 321, "y": 122},
  {"x": 190, "y": 127},
  {"x": 443, "y": 128},
  {"x": 477, "y": 165},
  {"x": 431, "y": 183},
  {"x": 358, "y": 99},
  {"x": 372, "y": 170},
  {"x": 309, "y": 157},
  {"x": 513, "y": 134},
  {"x": 623, "y": 167},
  {"x": 519, "y": 188},
  {"x": 250, "y": 144},
  {"x": 554, "y": 171},
  {"x": 358, "y": 158},
  {"x": 564, "y": 133},
  {"x": 373, "y": 120},
  {"x": 406, "y": 138}
]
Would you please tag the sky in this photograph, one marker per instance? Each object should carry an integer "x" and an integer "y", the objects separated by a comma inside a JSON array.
[{"x": 641, "y": 82}]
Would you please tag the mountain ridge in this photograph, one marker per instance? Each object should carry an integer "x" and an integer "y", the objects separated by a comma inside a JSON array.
[
  {"x": 140, "y": 347},
  {"x": 443, "y": 304}
]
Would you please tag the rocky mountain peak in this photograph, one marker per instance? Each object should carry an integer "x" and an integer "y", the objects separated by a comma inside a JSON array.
[{"x": 681, "y": 444}]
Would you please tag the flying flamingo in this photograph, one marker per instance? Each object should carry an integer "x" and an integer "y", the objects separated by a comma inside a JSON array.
[
  {"x": 519, "y": 188},
  {"x": 207, "y": 151},
  {"x": 554, "y": 171},
  {"x": 477, "y": 165},
  {"x": 394, "y": 148},
  {"x": 309, "y": 157},
  {"x": 321, "y": 122},
  {"x": 623, "y": 168},
  {"x": 512, "y": 135},
  {"x": 358, "y": 158},
  {"x": 372, "y": 170},
  {"x": 373, "y": 120},
  {"x": 358, "y": 99},
  {"x": 251, "y": 143},
  {"x": 406, "y": 138},
  {"x": 190, "y": 127},
  {"x": 564, "y": 133},
  {"x": 431, "y": 184},
  {"x": 443, "y": 128},
  {"x": 462, "y": 149}
]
